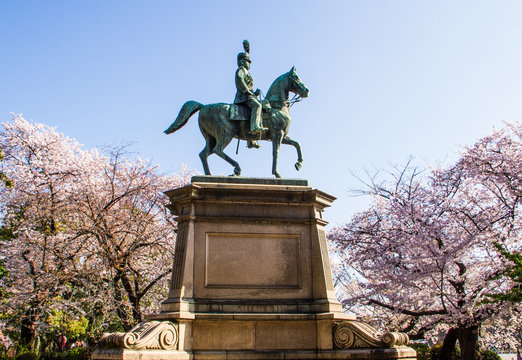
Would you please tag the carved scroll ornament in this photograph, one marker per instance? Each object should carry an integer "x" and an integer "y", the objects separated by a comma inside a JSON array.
[
  {"x": 146, "y": 335},
  {"x": 355, "y": 334}
]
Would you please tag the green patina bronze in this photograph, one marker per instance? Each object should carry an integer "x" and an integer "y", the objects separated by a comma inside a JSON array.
[
  {"x": 249, "y": 181},
  {"x": 220, "y": 123}
]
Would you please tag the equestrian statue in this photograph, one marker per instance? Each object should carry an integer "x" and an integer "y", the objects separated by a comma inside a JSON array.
[{"x": 248, "y": 118}]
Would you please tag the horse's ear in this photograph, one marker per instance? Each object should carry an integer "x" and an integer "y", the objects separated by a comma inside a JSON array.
[{"x": 292, "y": 70}]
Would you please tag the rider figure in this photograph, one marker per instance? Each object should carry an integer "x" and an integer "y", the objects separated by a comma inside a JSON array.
[{"x": 244, "y": 94}]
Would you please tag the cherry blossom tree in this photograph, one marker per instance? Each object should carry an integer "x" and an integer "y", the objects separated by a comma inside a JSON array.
[
  {"x": 39, "y": 248},
  {"x": 503, "y": 333},
  {"x": 427, "y": 248},
  {"x": 81, "y": 232},
  {"x": 131, "y": 235},
  {"x": 495, "y": 161}
]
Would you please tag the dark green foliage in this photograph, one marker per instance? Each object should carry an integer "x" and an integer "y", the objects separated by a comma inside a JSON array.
[
  {"x": 425, "y": 353},
  {"x": 7, "y": 182},
  {"x": 27, "y": 356},
  {"x": 423, "y": 350},
  {"x": 489, "y": 355},
  {"x": 73, "y": 354},
  {"x": 435, "y": 353},
  {"x": 78, "y": 354},
  {"x": 514, "y": 271},
  {"x": 6, "y": 233},
  {"x": 3, "y": 271},
  {"x": 3, "y": 178}
]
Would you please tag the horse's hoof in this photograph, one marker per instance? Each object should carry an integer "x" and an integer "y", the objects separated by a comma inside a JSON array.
[{"x": 298, "y": 165}]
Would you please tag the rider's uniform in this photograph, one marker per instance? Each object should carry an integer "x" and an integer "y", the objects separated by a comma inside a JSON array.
[{"x": 245, "y": 95}]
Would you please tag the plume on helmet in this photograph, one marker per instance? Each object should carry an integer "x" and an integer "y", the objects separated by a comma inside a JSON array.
[{"x": 246, "y": 46}]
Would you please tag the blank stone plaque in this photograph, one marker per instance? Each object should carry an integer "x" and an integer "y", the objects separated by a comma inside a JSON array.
[{"x": 252, "y": 260}]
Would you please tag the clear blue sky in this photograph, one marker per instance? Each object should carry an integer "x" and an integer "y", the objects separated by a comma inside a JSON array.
[{"x": 387, "y": 79}]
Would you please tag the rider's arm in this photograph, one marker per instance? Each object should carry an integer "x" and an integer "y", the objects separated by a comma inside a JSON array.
[{"x": 241, "y": 84}]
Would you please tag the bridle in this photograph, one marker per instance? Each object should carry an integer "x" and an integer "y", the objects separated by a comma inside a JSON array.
[{"x": 296, "y": 98}]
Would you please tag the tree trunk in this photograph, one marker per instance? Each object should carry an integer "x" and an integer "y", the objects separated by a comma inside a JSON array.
[
  {"x": 134, "y": 299},
  {"x": 136, "y": 311},
  {"x": 27, "y": 329},
  {"x": 124, "y": 317},
  {"x": 468, "y": 340},
  {"x": 448, "y": 346}
]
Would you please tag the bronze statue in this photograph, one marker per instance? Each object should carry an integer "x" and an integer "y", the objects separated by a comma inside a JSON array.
[
  {"x": 220, "y": 123},
  {"x": 244, "y": 94}
]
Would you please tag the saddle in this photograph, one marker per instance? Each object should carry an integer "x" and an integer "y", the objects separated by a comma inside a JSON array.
[{"x": 240, "y": 112}]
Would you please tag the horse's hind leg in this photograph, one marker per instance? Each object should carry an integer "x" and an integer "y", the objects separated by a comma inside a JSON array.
[
  {"x": 207, "y": 151},
  {"x": 203, "y": 155},
  {"x": 287, "y": 140},
  {"x": 218, "y": 150}
]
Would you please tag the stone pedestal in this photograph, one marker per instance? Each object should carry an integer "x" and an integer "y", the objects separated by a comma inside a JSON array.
[{"x": 251, "y": 280}]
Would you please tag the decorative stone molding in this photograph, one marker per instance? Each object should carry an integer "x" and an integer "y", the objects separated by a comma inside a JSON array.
[
  {"x": 355, "y": 334},
  {"x": 144, "y": 336},
  {"x": 391, "y": 339}
]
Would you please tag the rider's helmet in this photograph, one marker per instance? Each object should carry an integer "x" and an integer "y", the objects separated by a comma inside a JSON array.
[{"x": 244, "y": 55}]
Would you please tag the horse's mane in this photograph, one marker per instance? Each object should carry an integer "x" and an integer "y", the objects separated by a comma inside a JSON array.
[{"x": 275, "y": 92}]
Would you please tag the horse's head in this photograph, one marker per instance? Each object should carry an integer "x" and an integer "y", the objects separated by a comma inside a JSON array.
[
  {"x": 288, "y": 82},
  {"x": 295, "y": 84}
]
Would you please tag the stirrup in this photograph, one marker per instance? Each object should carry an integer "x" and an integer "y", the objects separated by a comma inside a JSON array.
[
  {"x": 253, "y": 144},
  {"x": 258, "y": 131}
]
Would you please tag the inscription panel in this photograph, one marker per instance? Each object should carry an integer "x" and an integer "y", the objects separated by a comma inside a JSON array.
[{"x": 235, "y": 260}]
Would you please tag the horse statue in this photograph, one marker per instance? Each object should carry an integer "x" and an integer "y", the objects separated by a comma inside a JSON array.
[{"x": 219, "y": 127}]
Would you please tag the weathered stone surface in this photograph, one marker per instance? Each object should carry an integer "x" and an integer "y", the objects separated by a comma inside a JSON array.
[
  {"x": 252, "y": 280},
  {"x": 252, "y": 261},
  {"x": 250, "y": 248},
  {"x": 146, "y": 335},
  {"x": 356, "y": 334},
  {"x": 224, "y": 335}
]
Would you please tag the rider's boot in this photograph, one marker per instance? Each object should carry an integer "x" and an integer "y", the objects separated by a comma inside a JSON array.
[
  {"x": 256, "y": 127},
  {"x": 253, "y": 144}
]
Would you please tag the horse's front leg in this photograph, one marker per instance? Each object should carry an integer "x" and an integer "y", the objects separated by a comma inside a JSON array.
[
  {"x": 287, "y": 140},
  {"x": 277, "y": 137}
]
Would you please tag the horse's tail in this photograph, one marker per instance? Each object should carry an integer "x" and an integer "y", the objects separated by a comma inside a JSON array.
[{"x": 188, "y": 109}]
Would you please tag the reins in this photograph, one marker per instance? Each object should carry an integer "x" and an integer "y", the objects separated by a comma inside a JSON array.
[{"x": 296, "y": 98}]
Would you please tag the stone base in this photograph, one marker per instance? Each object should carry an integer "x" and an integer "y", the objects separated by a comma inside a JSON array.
[
  {"x": 251, "y": 280},
  {"x": 375, "y": 354},
  {"x": 254, "y": 336},
  {"x": 258, "y": 332},
  {"x": 127, "y": 354},
  {"x": 405, "y": 353}
]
